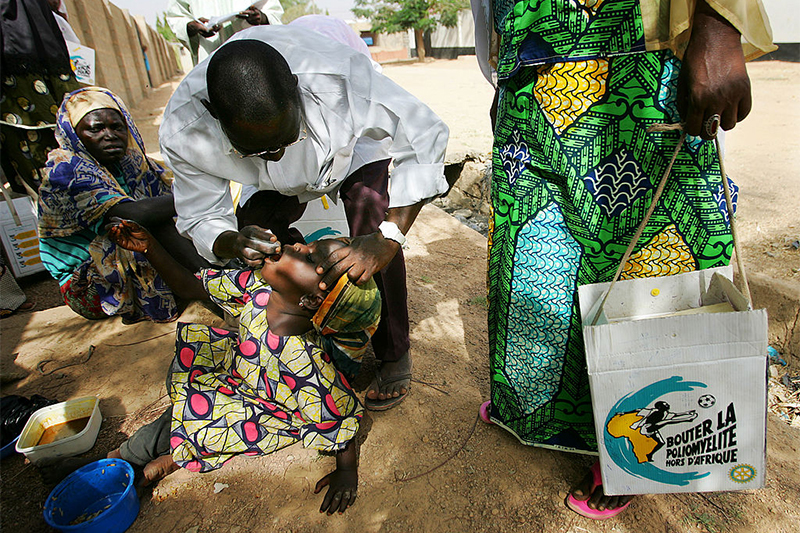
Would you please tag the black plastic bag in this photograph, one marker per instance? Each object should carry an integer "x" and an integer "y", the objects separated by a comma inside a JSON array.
[{"x": 14, "y": 413}]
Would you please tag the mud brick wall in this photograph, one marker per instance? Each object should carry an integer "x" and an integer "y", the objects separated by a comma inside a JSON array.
[{"x": 117, "y": 38}]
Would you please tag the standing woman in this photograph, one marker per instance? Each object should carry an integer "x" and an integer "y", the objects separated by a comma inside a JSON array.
[
  {"x": 35, "y": 75},
  {"x": 575, "y": 168},
  {"x": 101, "y": 171}
]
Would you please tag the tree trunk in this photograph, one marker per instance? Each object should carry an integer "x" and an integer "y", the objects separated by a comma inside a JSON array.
[{"x": 419, "y": 42}]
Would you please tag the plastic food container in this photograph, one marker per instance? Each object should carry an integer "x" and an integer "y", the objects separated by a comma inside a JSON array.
[
  {"x": 74, "y": 423},
  {"x": 97, "y": 498}
]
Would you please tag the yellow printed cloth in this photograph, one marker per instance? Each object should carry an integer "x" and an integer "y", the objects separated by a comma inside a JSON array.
[
  {"x": 253, "y": 392},
  {"x": 667, "y": 24}
]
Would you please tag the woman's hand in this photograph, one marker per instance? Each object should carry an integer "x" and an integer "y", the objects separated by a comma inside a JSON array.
[
  {"x": 342, "y": 487},
  {"x": 713, "y": 78},
  {"x": 129, "y": 235}
]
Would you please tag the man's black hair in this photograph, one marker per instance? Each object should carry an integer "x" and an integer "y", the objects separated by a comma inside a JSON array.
[{"x": 249, "y": 81}]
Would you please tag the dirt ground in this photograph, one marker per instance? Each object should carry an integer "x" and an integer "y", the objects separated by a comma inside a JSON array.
[{"x": 428, "y": 465}]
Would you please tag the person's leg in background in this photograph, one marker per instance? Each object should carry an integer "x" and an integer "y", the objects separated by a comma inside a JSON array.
[
  {"x": 275, "y": 212},
  {"x": 149, "y": 448},
  {"x": 365, "y": 194}
]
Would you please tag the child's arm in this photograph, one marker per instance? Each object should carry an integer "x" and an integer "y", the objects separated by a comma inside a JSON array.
[
  {"x": 342, "y": 482},
  {"x": 131, "y": 236}
]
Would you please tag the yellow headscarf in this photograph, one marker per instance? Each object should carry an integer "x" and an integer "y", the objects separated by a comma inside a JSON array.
[
  {"x": 81, "y": 104},
  {"x": 349, "y": 308}
]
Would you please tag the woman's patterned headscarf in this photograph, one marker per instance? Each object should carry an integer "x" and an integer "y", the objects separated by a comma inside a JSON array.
[{"x": 78, "y": 190}]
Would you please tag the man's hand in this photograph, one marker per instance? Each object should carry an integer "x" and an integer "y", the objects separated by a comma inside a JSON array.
[
  {"x": 253, "y": 16},
  {"x": 251, "y": 244},
  {"x": 713, "y": 78},
  {"x": 343, "y": 485},
  {"x": 365, "y": 256},
  {"x": 198, "y": 26},
  {"x": 128, "y": 234}
]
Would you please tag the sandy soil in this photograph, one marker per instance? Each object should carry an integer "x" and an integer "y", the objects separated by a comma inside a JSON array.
[{"x": 427, "y": 465}]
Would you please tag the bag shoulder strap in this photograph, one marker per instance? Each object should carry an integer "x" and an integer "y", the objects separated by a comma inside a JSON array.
[{"x": 654, "y": 203}]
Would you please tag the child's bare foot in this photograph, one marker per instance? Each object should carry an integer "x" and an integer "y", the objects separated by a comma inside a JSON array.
[
  {"x": 114, "y": 454},
  {"x": 158, "y": 469}
]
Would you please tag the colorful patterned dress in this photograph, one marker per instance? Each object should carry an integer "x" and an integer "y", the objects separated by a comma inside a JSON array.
[
  {"x": 30, "y": 100},
  {"x": 254, "y": 392},
  {"x": 35, "y": 74},
  {"x": 574, "y": 172}
]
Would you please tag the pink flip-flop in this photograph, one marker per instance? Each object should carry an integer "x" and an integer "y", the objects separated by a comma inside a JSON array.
[
  {"x": 484, "y": 411},
  {"x": 582, "y": 507}
]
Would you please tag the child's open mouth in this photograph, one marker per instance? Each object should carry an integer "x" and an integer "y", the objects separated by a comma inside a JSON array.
[
  {"x": 272, "y": 250},
  {"x": 274, "y": 258}
]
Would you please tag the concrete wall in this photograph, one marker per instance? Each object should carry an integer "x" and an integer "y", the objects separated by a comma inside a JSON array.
[
  {"x": 385, "y": 47},
  {"x": 449, "y": 43},
  {"x": 460, "y": 37},
  {"x": 784, "y": 17},
  {"x": 117, "y": 39}
]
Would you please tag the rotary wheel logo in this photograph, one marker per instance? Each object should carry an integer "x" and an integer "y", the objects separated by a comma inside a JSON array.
[{"x": 743, "y": 473}]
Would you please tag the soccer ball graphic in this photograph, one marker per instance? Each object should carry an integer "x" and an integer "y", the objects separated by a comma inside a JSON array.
[{"x": 706, "y": 400}]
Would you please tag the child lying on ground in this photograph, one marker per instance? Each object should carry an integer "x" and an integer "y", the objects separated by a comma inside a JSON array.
[{"x": 276, "y": 381}]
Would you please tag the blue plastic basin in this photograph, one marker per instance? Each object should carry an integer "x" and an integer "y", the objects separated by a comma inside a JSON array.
[
  {"x": 9, "y": 448},
  {"x": 105, "y": 485}
]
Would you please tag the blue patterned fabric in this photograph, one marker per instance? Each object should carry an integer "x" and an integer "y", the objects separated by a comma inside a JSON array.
[
  {"x": 719, "y": 197},
  {"x": 515, "y": 157},
  {"x": 97, "y": 277},
  {"x": 540, "y": 309},
  {"x": 617, "y": 182},
  {"x": 78, "y": 190}
]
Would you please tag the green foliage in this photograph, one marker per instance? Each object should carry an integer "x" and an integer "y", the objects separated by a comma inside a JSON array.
[
  {"x": 294, "y": 9},
  {"x": 708, "y": 521},
  {"x": 163, "y": 28},
  {"x": 391, "y": 16},
  {"x": 481, "y": 301}
]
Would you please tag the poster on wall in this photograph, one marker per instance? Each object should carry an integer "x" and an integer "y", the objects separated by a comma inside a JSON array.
[
  {"x": 81, "y": 59},
  {"x": 20, "y": 238}
]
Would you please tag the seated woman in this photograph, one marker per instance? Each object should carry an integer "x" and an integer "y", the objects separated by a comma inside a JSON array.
[
  {"x": 276, "y": 381},
  {"x": 99, "y": 171}
]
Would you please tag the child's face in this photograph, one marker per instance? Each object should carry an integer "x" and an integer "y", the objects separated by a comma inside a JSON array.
[{"x": 296, "y": 267}]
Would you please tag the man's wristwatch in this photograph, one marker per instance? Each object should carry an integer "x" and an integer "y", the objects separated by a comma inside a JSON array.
[{"x": 390, "y": 231}]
